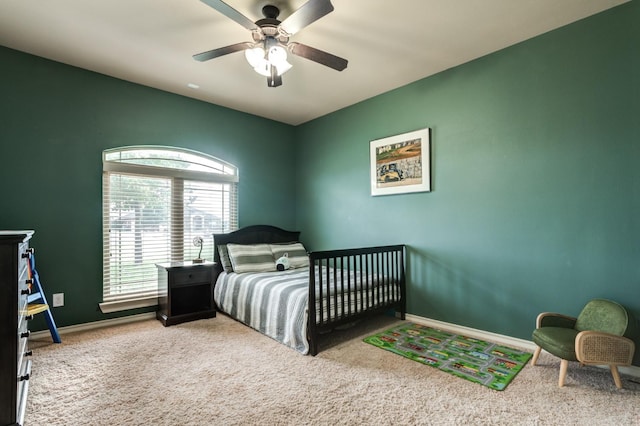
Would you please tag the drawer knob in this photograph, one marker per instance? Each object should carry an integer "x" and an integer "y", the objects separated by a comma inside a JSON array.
[
  {"x": 25, "y": 291},
  {"x": 25, "y": 334},
  {"x": 29, "y": 317},
  {"x": 28, "y": 252},
  {"x": 23, "y": 378},
  {"x": 28, "y": 353}
]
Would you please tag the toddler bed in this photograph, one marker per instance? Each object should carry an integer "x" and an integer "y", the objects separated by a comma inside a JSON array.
[{"x": 322, "y": 290}]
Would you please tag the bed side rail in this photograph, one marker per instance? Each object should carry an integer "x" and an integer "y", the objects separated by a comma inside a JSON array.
[{"x": 346, "y": 284}]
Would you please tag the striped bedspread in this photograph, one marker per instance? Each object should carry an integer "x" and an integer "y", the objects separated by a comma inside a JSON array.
[{"x": 276, "y": 303}]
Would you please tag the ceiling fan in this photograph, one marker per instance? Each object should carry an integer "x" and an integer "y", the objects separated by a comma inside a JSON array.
[{"x": 267, "y": 54}]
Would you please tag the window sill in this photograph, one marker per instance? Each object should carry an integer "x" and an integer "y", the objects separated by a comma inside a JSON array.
[{"x": 123, "y": 305}]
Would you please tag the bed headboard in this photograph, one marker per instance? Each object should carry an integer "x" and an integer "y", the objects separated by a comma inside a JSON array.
[{"x": 254, "y": 234}]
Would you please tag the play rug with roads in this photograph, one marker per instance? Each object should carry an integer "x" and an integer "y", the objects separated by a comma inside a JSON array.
[{"x": 487, "y": 363}]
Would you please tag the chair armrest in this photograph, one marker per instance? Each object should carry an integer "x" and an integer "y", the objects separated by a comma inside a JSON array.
[
  {"x": 596, "y": 347},
  {"x": 551, "y": 319}
]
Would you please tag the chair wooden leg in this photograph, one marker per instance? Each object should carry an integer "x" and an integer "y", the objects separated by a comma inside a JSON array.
[
  {"x": 536, "y": 354},
  {"x": 616, "y": 376},
  {"x": 564, "y": 364}
]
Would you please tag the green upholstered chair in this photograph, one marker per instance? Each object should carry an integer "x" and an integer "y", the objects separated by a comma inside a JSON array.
[{"x": 600, "y": 335}]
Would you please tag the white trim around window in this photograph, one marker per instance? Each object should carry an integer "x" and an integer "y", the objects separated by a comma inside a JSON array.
[{"x": 156, "y": 202}]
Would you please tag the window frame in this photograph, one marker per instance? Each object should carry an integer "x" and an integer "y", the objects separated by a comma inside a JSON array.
[{"x": 226, "y": 174}]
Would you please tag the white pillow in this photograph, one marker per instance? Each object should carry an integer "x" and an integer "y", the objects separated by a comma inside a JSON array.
[
  {"x": 298, "y": 257},
  {"x": 224, "y": 258},
  {"x": 251, "y": 258}
]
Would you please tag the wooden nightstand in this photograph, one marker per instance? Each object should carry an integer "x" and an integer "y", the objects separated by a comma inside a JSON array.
[{"x": 185, "y": 291}]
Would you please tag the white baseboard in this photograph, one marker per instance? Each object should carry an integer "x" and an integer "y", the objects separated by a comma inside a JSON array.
[
  {"x": 95, "y": 324},
  {"x": 474, "y": 332},
  {"x": 497, "y": 338}
]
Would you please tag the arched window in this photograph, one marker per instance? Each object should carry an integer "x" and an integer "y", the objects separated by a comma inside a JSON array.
[{"x": 156, "y": 201}]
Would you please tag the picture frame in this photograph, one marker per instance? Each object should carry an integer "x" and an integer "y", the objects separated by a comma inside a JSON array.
[{"x": 401, "y": 164}]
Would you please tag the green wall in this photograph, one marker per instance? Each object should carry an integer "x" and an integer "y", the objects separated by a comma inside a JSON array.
[
  {"x": 57, "y": 120},
  {"x": 536, "y": 188},
  {"x": 536, "y": 183}
]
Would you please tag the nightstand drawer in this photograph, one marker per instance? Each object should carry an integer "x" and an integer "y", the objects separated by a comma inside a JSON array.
[{"x": 191, "y": 276}]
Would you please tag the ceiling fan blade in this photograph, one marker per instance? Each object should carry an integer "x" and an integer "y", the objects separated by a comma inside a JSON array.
[
  {"x": 205, "y": 56},
  {"x": 319, "y": 56},
  {"x": 309, "y": 12},
  {"x": 231, "y": 13}
]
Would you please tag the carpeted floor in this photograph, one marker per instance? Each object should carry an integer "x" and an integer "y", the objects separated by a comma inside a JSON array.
[{"x": 219, "y": 372}]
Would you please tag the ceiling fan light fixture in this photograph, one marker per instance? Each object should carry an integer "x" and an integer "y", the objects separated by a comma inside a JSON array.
[
  {"x": 277, "y": 57},
  {"x": 258, "y": 61},
  {"x": 262, "y": 61},
  {"x": 255, "y": 56}
]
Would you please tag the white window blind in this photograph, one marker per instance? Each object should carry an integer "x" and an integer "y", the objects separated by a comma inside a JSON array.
[{"x": 156, "y": 201}]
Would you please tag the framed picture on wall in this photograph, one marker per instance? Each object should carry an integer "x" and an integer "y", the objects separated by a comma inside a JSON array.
[{"x": 401, "y": 163}]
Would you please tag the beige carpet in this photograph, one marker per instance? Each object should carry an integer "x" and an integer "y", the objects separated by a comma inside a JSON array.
[{"x": 219, "y": 372}]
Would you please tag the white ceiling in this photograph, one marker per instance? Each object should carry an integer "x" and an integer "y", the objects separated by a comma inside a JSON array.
[{"x": 388, "y": 44}]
